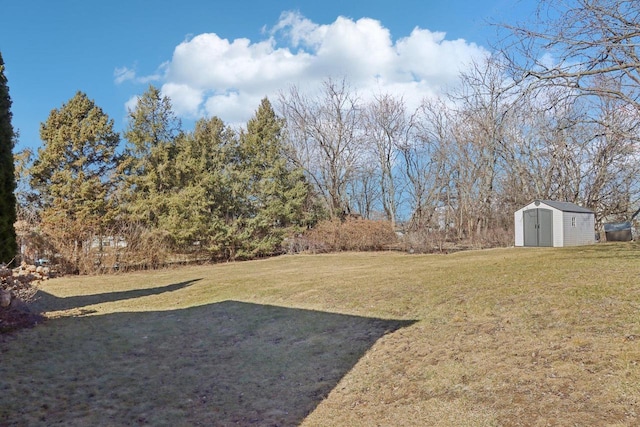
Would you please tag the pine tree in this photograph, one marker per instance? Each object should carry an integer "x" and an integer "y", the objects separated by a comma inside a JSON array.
[
  {"x": 73, "y": 174},
  {"x": 8, "y": 246},
  {"x": 150, "y": 156},
  {"x": 202, "y": 207},
  {"x": 274, "y": 192}
]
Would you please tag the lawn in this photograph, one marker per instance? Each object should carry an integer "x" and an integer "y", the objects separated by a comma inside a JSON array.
[{"x": 502, "y": 337}]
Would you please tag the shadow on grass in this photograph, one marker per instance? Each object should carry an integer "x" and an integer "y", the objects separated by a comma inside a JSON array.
[
  {"x": 602, "y": 251},
  {"x": 230, "y": 363},
  {"x": 46, "y": 302}
]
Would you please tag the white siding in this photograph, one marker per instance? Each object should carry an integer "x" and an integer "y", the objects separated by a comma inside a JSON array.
[
  {"x": 583, "y": 233},
  {"x": 558, "y": 229},
  {"x": 519, "y": 227}
]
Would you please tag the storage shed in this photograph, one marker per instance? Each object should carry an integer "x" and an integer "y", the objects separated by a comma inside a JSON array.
[{"x": 557, "y": 224}]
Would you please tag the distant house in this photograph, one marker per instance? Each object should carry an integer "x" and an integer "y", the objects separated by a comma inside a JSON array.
[
  {"x": 108, "y": 242},
  {"x": 554, "y": 224}
]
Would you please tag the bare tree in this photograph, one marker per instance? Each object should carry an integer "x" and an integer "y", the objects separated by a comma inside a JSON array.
[
  {"x": 610, "y": 176},
  {"x": 387, "y": 128},
  {"x": 574, "y": 42},
  {"x": 364, "y": 192},
  {"x": 539, "y": 162},
  {"x": 483, "y": 106},
  {"x": 326, "y": 138},
  {"x": 574, "y": 150},
  {"x": 427, "y": 167}
]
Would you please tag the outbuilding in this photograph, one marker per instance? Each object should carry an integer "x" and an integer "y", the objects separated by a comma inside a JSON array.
[{"x": 556, "y": 224}]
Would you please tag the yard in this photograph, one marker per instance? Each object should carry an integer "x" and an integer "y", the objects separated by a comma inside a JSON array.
[{"x": 505, "y": 337}]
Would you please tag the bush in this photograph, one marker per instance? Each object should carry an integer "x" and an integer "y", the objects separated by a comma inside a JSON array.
[
  {"x": 349, "y": 235},
  {"x": 444, "y": 241},
  {"x": 429, "y": 241}
]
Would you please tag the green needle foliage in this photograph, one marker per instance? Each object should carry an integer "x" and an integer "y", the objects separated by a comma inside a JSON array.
[
  {"x": 148, "y": 167},
  {"x": 202, "y": 204},
  {"x": 213, "y": 192},
  {"x": 8, "y": 245},
  {"x": 73, "y": 174},
  {"x": 276, "y": 192},
  {"x": 228, "y": 195}
]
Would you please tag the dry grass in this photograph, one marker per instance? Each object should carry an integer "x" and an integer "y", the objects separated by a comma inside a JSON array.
[{"x": 506, "y": 337}]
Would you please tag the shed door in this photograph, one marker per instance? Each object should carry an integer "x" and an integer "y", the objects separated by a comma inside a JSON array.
[{"x": 538, "y": 227}]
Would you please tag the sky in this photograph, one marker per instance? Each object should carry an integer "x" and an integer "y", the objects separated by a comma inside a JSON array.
[{"x": 220, "y": 58}]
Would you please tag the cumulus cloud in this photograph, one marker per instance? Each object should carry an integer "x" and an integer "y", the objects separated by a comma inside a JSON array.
[
  {"x": 185, "y": 99},
  {"x": 210, "y": 75}
]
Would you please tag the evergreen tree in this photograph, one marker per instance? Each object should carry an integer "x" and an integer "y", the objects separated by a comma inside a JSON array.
[
  {"x": 150, "y": 156},
  {"x": 273, "y": 193},
  {"x": 231, "y": 195},
  {"x": 8, "y": 246},
  {"x": 73, "y": 174},
  {"x": 200, "y": 210}
]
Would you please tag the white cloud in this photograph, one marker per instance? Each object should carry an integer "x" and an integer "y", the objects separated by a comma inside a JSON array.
[
  {"x": 184, "y": 98},
  {"x": 547, "y": 60},
  {"x": 232, "y": 106},
  {"x": 210, "y": 75},
  {"x": 132, "y": 103},
  {"x": 123, "y": 74},
  {"x": 208, "y": 62},
  {"x": 299, "y": 30}
]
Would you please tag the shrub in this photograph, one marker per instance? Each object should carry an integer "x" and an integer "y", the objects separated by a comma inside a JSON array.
[
  {"x": 443, "y": 241},
  {"x": 428, "y": 241},
  {"x": 349, "y": 235}
]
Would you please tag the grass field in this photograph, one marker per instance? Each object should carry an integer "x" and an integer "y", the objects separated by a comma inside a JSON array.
[{"x": 504, "y": 337}]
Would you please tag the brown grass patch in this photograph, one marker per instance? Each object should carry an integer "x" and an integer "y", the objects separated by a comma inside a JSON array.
[{"x": 501, "y": 337}]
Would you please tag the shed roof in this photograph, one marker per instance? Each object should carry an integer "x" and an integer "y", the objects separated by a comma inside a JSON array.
[{"x": 566, "y": 206}]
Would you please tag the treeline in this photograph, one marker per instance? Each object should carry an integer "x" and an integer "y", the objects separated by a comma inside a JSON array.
[
  {"x": 448, "y": 173},
  {"x": 455, "y": 169},
  {"x": 210, "y": 193}
]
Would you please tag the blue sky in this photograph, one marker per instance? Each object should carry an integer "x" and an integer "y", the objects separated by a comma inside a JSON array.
[{"x": 221, "y": 57}]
